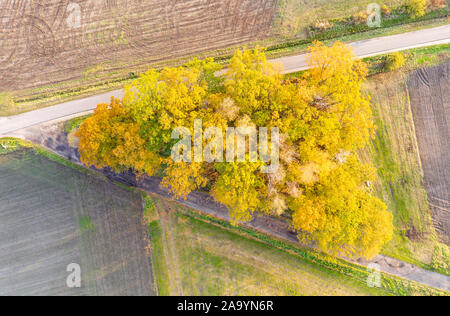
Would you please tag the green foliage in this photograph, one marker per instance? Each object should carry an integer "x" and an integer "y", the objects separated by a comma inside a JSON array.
[
  {"x": 441, "y": 259},
  {"x": 74, "y": 124},
  {"x": 347, "y": 26},
  {"x": 414, "y": 58},
  {"x": 8, "y": 145},
  {"x": 149, "y": 204},
  {"x": 86, "y": 224},
  {"x": 149, "y": 209}
]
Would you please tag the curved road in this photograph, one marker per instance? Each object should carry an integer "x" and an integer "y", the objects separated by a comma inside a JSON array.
[{"x": 366, "y": 48}]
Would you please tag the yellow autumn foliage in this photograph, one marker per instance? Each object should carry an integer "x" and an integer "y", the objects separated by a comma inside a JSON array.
[{"x": 323, "y": 117}]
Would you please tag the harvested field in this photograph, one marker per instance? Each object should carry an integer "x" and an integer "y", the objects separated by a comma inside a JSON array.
[
  {"x": 61, "y": 40},
  {"x": 52, "y": 216},
  {"x": 429, "y": 91}
]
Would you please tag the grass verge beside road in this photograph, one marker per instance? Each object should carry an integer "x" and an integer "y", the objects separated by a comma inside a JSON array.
[
  {"x": 212, "y": 257},
  {"x": 395, "y": 154}
]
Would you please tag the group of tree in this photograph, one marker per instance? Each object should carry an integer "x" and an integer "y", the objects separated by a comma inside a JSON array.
[{"x": 323, "y": 117}]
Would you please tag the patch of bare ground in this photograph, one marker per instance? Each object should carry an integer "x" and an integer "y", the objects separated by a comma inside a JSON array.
[{"x": 429, "y": 91}]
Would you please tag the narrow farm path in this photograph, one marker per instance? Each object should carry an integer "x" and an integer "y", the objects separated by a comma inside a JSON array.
[{"x": 169, "y": 250}]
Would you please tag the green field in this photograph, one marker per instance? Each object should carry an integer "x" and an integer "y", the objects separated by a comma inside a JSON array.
[
  {"x": 197, "y": 258},
  {"x": 52, "y": 215},
  {"x": 396, "y": 155},
  {"x": 196, "y": 254}
]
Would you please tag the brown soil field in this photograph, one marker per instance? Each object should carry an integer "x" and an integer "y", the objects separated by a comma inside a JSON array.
[
  {"x": 47, "y": 42},
  {"x": 429, "y": 91},
  {"x": 52, "y": 216}
]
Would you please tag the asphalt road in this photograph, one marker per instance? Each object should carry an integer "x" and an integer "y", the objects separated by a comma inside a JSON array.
[{"x": 366, "y": 48}]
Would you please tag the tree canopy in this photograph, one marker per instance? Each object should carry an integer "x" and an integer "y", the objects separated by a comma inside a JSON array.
[{"x": 323, "y": 117}]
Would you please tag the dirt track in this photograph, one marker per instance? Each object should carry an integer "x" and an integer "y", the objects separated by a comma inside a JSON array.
[
  {"x": 429, "y": 91},
  {"x": 58, "y": 40}
]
